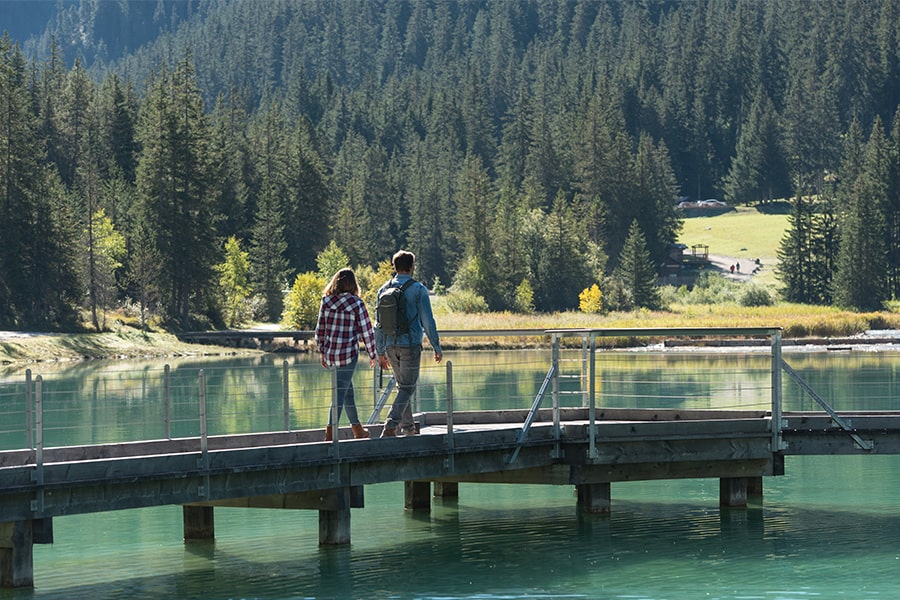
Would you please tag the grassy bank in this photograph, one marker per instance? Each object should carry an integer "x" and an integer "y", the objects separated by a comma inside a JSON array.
[
  {"x": 120, "y": 344},
  {"x": 796, "y": 320}
]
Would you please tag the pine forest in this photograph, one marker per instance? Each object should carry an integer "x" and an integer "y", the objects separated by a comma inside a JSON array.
[{"x": 214, "y": 161}]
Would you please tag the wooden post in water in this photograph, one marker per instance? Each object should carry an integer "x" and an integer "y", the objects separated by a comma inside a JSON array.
[
  {"x": 733, "y": 492},
  {"x": 417, "y": 495},
  {"x": 16, "y": 555},
  {"x": 199, "y": 522},
  {"x": 594, "y": 498},
  {"x": 334, "y": 525},
  {"x": 446, "y": 489}
]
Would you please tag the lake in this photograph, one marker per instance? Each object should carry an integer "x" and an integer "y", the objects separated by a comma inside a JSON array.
[{"x": 829, "y": 528}]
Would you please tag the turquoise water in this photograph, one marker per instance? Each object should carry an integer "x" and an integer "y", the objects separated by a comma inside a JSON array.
[{"x": 829, "y": 528}]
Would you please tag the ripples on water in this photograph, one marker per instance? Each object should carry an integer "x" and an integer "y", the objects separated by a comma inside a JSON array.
[{"x": 664, "y": 540}]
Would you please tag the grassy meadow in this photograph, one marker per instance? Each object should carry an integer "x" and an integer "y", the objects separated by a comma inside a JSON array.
[{"x": 743, "y": 232}]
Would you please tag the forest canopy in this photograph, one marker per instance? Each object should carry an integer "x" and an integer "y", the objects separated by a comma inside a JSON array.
[{"x": 516, "y": 146}]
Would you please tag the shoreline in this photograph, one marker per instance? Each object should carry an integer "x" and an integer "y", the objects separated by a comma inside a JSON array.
[{"x": 25, "y": 348}]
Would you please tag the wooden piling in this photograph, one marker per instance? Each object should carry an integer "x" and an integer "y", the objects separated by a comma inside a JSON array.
[
  {"x": 446, "y": 489},
  {"x": 334, "y": 524},
  {"x": 733, "y": 492},
  {"x": 417, "y": 495},
  {"x": 594, "y": 498},
  {"x": 16, "y": 555},
  {"x": 199, "y": 522}
]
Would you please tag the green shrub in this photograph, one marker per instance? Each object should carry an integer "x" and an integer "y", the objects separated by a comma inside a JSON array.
[
  {"x": 465, "y": 301},
  {"x": 524, "y": 301},
  {"x": 755, "y": 295},
  {"x": 301, "y": 306}
]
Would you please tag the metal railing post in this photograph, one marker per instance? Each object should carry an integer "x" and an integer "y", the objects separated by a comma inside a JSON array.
[
  {"x": 167, "y": 400},
  {"x": 450, "y": 442},
  {"x": 29, "y": 431},
  {"x": 592, "y": 410},
  {"x": 776, "y": 392},
  {"x": 584, "y": 368},
  {"x": 555, "y": 360},
  {"x": 285, "y": 397},
  {"x": 335, "y": 427},
  {"x": 204, "y": 441},
  {"x": 39, "y": 444}
]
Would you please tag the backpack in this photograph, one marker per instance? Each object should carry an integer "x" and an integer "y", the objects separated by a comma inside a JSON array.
[{"x": 390, "y": 310}]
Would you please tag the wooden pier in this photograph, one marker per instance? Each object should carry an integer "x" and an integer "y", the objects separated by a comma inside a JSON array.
[{"x": 588, "y": 447}]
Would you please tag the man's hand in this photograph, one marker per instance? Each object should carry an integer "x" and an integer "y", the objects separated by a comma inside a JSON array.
[
  {"x": 383, "y": 362},
  {"x": 438, "y": 356}
]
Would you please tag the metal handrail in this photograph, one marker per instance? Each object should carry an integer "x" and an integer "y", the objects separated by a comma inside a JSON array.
[{"x": 773, "y": 333}]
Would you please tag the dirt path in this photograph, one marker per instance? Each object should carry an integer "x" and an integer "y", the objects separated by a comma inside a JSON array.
[{"x": 743, "y": 268}]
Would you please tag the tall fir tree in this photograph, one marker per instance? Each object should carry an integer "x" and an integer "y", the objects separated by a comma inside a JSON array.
[
  {"x": 174, "y": 187},
  {"x": 636, "y": 269},
  {"x": 860, "y": 281}
]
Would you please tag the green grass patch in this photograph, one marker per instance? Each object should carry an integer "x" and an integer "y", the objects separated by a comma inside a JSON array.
[{"x": 743, "y": 233}]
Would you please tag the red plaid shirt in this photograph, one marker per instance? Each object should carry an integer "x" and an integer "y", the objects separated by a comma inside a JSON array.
[{"x": 343, "y": 319}]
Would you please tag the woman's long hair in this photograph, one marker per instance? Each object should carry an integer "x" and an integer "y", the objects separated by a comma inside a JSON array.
[{"x": 343, "y": 281}]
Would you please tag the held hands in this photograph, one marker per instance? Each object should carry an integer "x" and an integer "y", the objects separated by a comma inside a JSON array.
[{"x": 383, "y": 362}]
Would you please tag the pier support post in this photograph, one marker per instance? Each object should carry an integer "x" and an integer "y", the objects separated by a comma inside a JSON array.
[
  {"x": 16, "y": 555},
  {"x": 755, "y": 487},
  {"x": 733, "y": 492},
  {"x": 199, "y": 522},
  {"x": 334, "y": 524},
  {"x": 417, "y": 495},
  {"x": 446, "y": 489},
  {"x": 594, "y": 498}
]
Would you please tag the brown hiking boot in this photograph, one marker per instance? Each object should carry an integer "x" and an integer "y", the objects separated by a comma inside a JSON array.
[
  {"x": 359, "y": 432},
  {"x": 389, "y": 432},
  {"x": 328, "y": 435}
]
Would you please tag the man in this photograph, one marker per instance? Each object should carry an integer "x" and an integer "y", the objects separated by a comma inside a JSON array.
[{"x": 403, "y": 352}]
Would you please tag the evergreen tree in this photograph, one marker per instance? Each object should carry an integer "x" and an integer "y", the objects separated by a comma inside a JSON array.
[
  {"x": 860, "y": 281},
  {"x": 144, "y": 269},
  {"x": 636, "y": 270},
  {"x": 796, "y": 260},
  {"x": 38, "y": 283},
  {"x": 558, "y": 260},
  {"x": 759, "y": 170},
  {"x": 309, "y": 200},
  {"x": 174, "y": 188}
]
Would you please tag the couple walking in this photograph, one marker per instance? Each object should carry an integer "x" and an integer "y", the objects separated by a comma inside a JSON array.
[{"x": 343, "y": 321}]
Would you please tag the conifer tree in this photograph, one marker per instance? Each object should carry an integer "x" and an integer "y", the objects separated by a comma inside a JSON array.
[
  {"x": 860, "y": 281},
  {"x": 636, "y": 270},
  {"x": 38, "y": 282},
  {"x": 174, "y": 187},
  {"x": 796, "y": 261}
]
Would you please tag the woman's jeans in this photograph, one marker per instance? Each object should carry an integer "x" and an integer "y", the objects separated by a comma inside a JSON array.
[
  {"x": 345, "y": 398},
  {"x": 405, "y": 362}
]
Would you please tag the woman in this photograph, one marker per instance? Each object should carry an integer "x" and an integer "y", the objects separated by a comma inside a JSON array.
[{"x": 343, "y": 319}]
